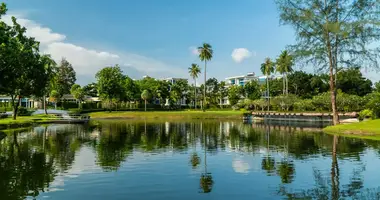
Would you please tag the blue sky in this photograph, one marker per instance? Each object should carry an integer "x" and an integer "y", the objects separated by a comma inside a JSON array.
[{"x": 155, "y": 37}]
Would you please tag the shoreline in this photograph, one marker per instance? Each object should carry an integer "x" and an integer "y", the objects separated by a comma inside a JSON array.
[{"x": 365, "y": 130}]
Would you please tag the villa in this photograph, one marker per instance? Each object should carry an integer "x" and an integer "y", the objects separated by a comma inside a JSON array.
[{"x": 242, "y": 80}]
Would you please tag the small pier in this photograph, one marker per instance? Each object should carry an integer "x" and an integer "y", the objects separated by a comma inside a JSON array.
[
  {"x": 70, "y": 119},
  {"x": 302, "y": 117}
]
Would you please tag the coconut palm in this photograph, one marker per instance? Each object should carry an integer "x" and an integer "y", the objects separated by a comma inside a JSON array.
[
  {"x": 194, "y": 71},
  {"x": 284, "y": 66},
  {"x": 267, "y": 68},
  {"x": 205, "y": 54},
  {"x": 145, "y": 96}
]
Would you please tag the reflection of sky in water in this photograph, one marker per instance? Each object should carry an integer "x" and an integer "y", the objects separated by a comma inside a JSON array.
[{"x": 165, "y": 172}]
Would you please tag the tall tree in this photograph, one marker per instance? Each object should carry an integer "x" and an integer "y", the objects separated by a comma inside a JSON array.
[
  {"x": 284, "y": 64},
  {"x": 22, "y": 68},
  {"x": 65, "y": 77},
  {"x": 111, "y": 83},
  {"x": 333, "y": 32},
  {"x": 205, "y": 54},
  {"x": 267, "y": 68},
  {"x": 145, "y": 96},
  {"x": 351, "y": 81},
  {"x": 50, "y": 67},
  {"x": 194, "y": 71},
  {"x": 91, "y": 90}
]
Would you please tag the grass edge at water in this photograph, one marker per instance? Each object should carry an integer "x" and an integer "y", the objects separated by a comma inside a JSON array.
[{"x": 365, "y": 130}]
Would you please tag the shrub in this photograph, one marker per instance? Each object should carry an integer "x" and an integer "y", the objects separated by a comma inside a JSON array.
[
  {"x": 284, "y": 102},
  {"x": 304, "y": 105},
  {"x": 365, "y": 114},
  {"x": 23, "y": 112},
  {"x": 373, "y": 104}
]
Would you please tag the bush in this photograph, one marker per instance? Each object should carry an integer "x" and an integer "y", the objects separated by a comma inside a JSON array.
[
  {"x": 373, "y": 104},
  {"x": 304, "y": 105},
  {"x": 23, "y": 112},
  {"x": 284, "y": 102},
  {"x": 365, "y": 114}
]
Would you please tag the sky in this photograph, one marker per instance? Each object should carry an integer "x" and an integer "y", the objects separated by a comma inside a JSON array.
[{"x": 157, "y": 38}]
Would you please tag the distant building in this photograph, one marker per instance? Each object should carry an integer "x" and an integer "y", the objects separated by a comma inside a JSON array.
[
  {"x": 244, "y": 79},
  {"x": 241, "y": 80},
  {"x": 24, "y": 102}
]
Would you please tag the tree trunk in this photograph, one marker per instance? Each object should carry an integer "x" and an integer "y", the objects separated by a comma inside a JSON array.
[
  {"x": 15, "y": 107},
  {"x": 331, "y": 74},
  {"x": 195, "y": 93},
  {"x": 268, "y": 92},
  {"x": 45, "y": 109},
  {"x": 145, "y": 105},
  {"x": 283, "y": 84},
  {"x": 333, "y": 95},
  {"x": 287, "y": 83},
  {"x": 204, "y": 89}
]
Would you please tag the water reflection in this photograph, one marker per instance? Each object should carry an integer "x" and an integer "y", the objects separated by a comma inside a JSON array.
[{"x": 292, "y": 163}]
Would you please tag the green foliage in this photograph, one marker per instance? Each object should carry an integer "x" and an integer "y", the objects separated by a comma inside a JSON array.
[
  {"x": 252, "y": 90},
  {"x": 178, "y": 90},
  {"x": 351, "y": 81},
  {"x": 284, "y": 102},
  {"x": 205, "y": 52},
  {"x": 24, "y": 72},
  {"x": 259, "y": 104},
  {"x": 235, "y": 93},
  {"x": 365, "y": 114},
  {"x": 374, "y": 103},
  {"x": 64, "y": 78},
  {"x": 90, "y": 90},
  {"x": 304, "y": 105},
  {"x": 23, "y": 112},
  {"x": 110, "y": 83},
  {"x": 377, "y": 87},
  {"x": 145, "y": 95},
  {"x": 78, "y": 93}
]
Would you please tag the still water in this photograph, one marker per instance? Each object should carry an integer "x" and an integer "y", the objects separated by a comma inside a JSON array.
[{"x": 185, "y": 160}]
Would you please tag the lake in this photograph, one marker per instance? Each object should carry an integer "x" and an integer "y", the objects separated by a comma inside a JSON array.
[{"x": 185, "y": 160}]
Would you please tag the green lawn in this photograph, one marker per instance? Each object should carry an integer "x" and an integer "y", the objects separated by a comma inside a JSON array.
[
  {"x": 169, "y": 114},
  {"x": 367, "y": 129},
  {"x": 25, "y": 121}
]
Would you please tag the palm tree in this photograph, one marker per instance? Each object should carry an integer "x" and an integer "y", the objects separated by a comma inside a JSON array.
[
  {"x": 205, "y": 54},
  {"x": 194, "y": 71},
  {"x": 145, "y": 96},
  {"x": 284, "y": 66},
  {"x": 267, "y": 68}
]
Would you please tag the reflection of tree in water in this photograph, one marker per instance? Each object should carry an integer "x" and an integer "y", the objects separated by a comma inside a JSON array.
[
  {"x": 23, "y": 171},
  {"x": 206, "y": 181},
  {"x": 286, "y": 170},
  {"x": 268, "y": 164},
  {"x": 112, "y": 147},
  {"x": 324, "y": 189}
]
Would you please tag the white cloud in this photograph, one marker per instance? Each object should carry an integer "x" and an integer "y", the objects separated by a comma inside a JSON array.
[
  {"x": 87, "y": 62},
  {"x": 240, "y": 166},
  {"x": 194, "y": 50},
  {"x": 240, "y": 54}
]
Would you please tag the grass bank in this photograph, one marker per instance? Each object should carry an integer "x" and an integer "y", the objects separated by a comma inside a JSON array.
[
  {"x": 25, "y": 121},
  {"x": 168, "y": 115},
  {"x": 367, "y": 130}
]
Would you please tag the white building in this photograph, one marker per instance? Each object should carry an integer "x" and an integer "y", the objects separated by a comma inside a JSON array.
[
  {"x": 241, "y": 80},
  {"x": 244, "y": 79}
]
